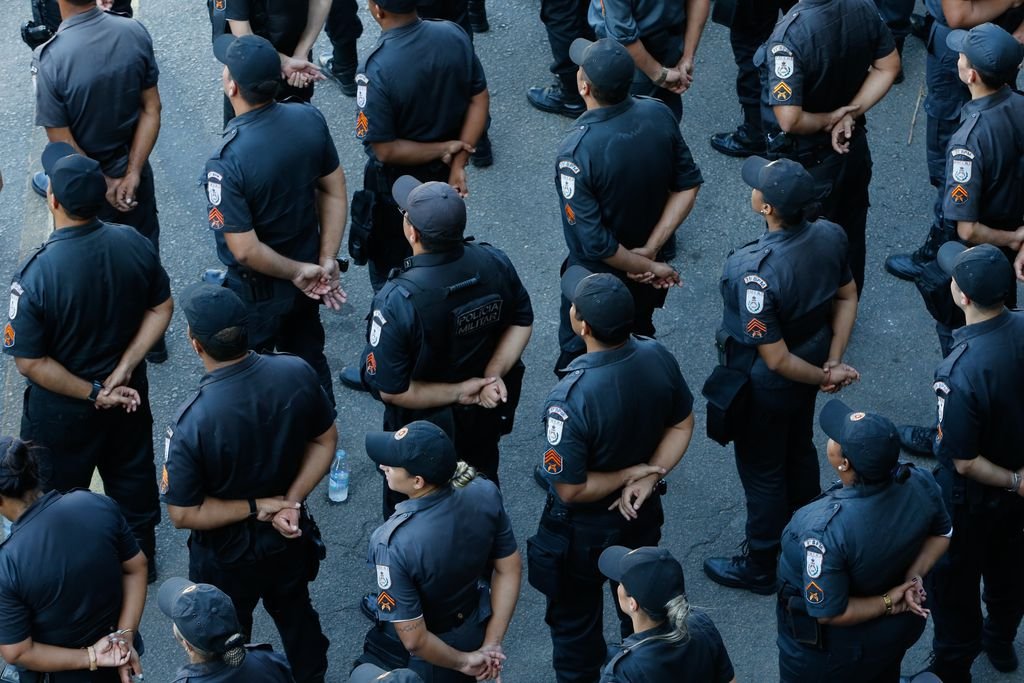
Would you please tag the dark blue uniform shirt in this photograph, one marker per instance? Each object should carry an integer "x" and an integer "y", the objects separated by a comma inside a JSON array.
[
  {"x": 279, "y": 21},
  {"x": 770, "y": 293},
  {"x": 81, "y": 297},
  {"x": 984, "y": 172},
  {"x": 60, "y": 570},
  {"x": 832, "y": 548},
  {"x": 90, "y": 78},
  {"x": 243, "y": 435},
  {"x": 264, "y": 175},
  {"x": 416, "y": 84},
  {"x": 261, "y": 665},
  {"x": 659, "y": 24},
  {"x": 819, "y": 54},
  {"x": 430, "y": 555},
  {"x": 405, "y": 343},
  {"x": 978, "y": 387},
  {"x": 644, "y": 658},
  {"x": 614, "y": 172},
  {"x": 611, "y": 411}
]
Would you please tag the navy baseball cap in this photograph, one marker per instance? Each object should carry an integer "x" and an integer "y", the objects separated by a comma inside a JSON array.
[
  {"x": 369, "y": 673},
  {"x": 983, "y": 272},
  {"x": 785, "y": 184},
  {"x": 434, "y": 208},
  {"x": 421, "y": 448},
  {"x": 651, "y": 576},
  {"x": 250, "y": 59},
  {"x": 988, "y": 47},
  {"x": 869, "y": 441},
  {"x": 75, "y": 180},
  {"x": 601, "y": 300},
  {"x": 606, "y": 62},
  {"x": 210, "y": 309},
  {"x": 397, "y": 6},
  {"x": 204, "y": 615}
]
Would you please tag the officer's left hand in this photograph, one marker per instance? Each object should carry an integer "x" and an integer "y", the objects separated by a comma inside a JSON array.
[
  {"x": 634, "y": 496},
  {"x": 685, "y": 67},
  {"x": 287, "y": 523},
  {"x": 131, "y": 668},
  {"x": 493, "y": 395},
  {"x": 470, "y": 389},
  {"x": 123, "y": 397},
  {"x": 1018, "y": 264},
  {"x": 329, "y": 290},
  {"x": 457, "y": 179},
  {"x": 124, "y": 196},
  {"x": 299, "y": 72},
  {"x": 119, "y": 377}
]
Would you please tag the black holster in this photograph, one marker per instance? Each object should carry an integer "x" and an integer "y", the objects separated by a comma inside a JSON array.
[
  {"x": 728, "y": 388},
  {"x": 361, "y": 230},
  {"x": 804, "y": 628}
]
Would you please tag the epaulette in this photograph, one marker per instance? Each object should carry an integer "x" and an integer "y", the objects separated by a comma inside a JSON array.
[
  {"x": 28, "y": 259},
  {"x": 964, "y": 131},
  {"x": 564, "y": 386}
]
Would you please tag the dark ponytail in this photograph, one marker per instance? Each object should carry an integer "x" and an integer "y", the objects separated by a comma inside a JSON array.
[{"x": 19, "y": 467}]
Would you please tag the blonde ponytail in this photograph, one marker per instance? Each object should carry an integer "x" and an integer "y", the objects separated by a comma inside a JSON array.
[{"x": 464, "y": 474}]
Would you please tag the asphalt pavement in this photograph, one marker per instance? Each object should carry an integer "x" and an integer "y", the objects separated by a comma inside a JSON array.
[{"x": 514, "y": 206}]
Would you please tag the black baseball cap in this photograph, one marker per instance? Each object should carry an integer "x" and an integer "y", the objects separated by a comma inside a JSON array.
[
  {"x": 869, "y": 441},
  {"x": 397, "y": 6},
  {"x": 983, "y": 272},
  {"x": 988, "y": 47},
  {"x": 434, "y": 208},
  {"x": 651, "y": 576},
  {"x": 250, "y": 59},
  {"x": 204, "y": 615},
  {"x": 606, "y": 62},
  {"x": 601, "y": 300},
  {"x": 210, "y": 309},
  {"x": 75, "y": 180},
  {"x": 421, "y": 448},
  {"x": 785, "y": 184},
  {"x": 369, "y": 673}
]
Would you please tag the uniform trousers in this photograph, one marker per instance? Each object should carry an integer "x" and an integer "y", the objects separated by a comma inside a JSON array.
[
  {"x": 751, "y": 26},
  {"x": 776, "y": 461},
  {"x": 343, "y": 29},
  {"x": 987, "y": 545},
  {"x": 281, "y": 581},
  {"x": 575, "y": 607},
  {"x": 565, "y": 21},
  {"x": 80, "y": 439}
]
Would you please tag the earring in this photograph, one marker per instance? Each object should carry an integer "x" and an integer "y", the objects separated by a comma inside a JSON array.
[{"x": 842, "y": 469}]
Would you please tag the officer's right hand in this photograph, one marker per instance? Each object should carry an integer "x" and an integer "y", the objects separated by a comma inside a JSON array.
[
  {"x": 266, "y": 508},
  {"x": 1018, "y": 263},
  {"x": 132, "y": 667},
  {"x": 494, "y": 395},
  {"x": 468, "y": 393},
  {"x": 308, "y": 278},
  {"x": 119, "y": 397},
  {"x": 110, "y": 653},
  {"x": 638, "y": 472},
  {"x": 665, "y": 276},
  {"x": 840, "y": 375},
  {"x": 453, "y": 148},
  {"x": 633, "y": 497},
  {"x": 477, "y": 664},
  {"x": 113, "y": 185}
]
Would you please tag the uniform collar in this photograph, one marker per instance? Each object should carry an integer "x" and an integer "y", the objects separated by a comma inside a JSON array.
[
  {"x": 231, "y": 370},
  {"x": 987, "y": 102},
  {"x": 44, "y": 501},
  {"x": 859, "y": 491},
  {"x": 401, "y": 30},
  {"x": 250, "y": 115},
  {"x": 433, "y": 258},
  {"x": 605, "y": 113},
  {"x": 76, "y": 231},
  {"x": 784, "y": 234},
  {"x": 201, "y": 669},
  {"x": 977, "y": 329},
  {"x": 425, "y": 502},
  {"x": 658, "y": 630},
  {"x": 599, "y": 358},
  {"x": 82, "y": 18}
]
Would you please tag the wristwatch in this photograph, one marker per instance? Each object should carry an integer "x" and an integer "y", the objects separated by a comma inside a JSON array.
[
  {"x": 97, "y": 387},
  {"x": 660, "y": 80},
  {"x": 252, "y": 507}
]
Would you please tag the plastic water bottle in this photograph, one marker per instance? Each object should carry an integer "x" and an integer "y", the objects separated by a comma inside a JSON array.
[{"x": 337, "y": 482}]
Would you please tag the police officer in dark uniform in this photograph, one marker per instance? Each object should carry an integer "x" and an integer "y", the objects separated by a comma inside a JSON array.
[
  {"x": 291, "y": 26},
  {"x": 823, "y": 67},
  {"x": 72, "y": 579},
  {"x": 750, "y": 23},
  {"x": 417, "y": 116},
  {"x": 981, "y": 468},
  {"x": 82, "y": 347},
  {"x": 662, "y": 39},
  {"x": 446, "y": 562},
  {"x": 564, "y": 21},
  {"x": 850, "y": 601},
  {"x": 784, "y": 332},
  {"x": 618, "y": 422},
  {"x": 446, "y": 333},
  {"x": 260, "y": 427},
  {"x": 671, "y": 641},
  {"x": 277, "y": 211},
  {"x": 96, "y": 89},
  {"x": 207, "y": 628},
  {"x": 615, "y": 219},
  {"x": 343, "y": 29},
  {"x": 46, "y": 18},
  {"x": 947, "y": 94}
]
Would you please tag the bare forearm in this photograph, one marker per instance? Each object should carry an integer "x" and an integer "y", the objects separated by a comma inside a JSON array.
[
  {"x": 429, "y": 647},
  {"x": 505, "y": 585},
  {"x": 212, "y": 513},
  {"x": 796, "y": 369},
  {"x": 52, "y": 376},
  {"x": 697, "y": 12},
  {"x": 600, "y": 485},
  {"x": 134, "y": 587},
  {"x": 423, "y": 395},
  {"x": 154, "y": 324},
  {"x": 979, "y": 233},
  {"x": 409, "y": 152},
  {"x": 146, "y": 132},
  {"x": 801, "y": 122},
  {"x": 676, "y": 210},
  {"x": 266, "y": 261},
  {"x": 50, "y": 658},
  {"x": 509, "y": 351},
  {"x": 844, "y": 315},
  {"x": 984, "y": 471},
  {"x": 629, "y": 262},
  {"x": 315, "y": 463},
  {"x": 934, "y": 547},
  {"x": 876, "y": 85},
  {"x": 970, "y": 13},
  {"x": 315, "y": 18},
  {"x": 858, "y": 610},
  {"x": 643, "y": 60},
  {"x": 673, "y": 445},
  {"x": 332, "y": 209},
  {"x": 475, "y": 122}
]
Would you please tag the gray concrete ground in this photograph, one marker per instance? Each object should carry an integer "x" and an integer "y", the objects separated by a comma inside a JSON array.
[{"x": 513, "y": 205}]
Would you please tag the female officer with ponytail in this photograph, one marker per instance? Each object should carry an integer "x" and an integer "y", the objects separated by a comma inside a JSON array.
[
  {"x": 670, "y": 641},
  {"x": 72, "y": 579},
  {"x": 853, "y": 560}
]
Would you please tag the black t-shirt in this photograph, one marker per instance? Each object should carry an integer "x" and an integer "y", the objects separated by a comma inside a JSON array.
[
  {"x": 60, "y": 570},
  {"x": 81, "y": 298},
  {"x": 264, "y": 175},
  {"x": 279, "y": 21}
]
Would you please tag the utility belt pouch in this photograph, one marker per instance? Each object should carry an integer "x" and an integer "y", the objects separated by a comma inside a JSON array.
[
  {"x": 361, "y": 231},
  {"x": 805, "y": 629},
  {"x": 728, "y": 389}
]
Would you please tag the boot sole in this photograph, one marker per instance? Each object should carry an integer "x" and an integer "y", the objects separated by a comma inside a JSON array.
[
  {"x": 738, "y": 154},
  {"x": 554, "y": 110},
  {"x": 728, "y": 583}
]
